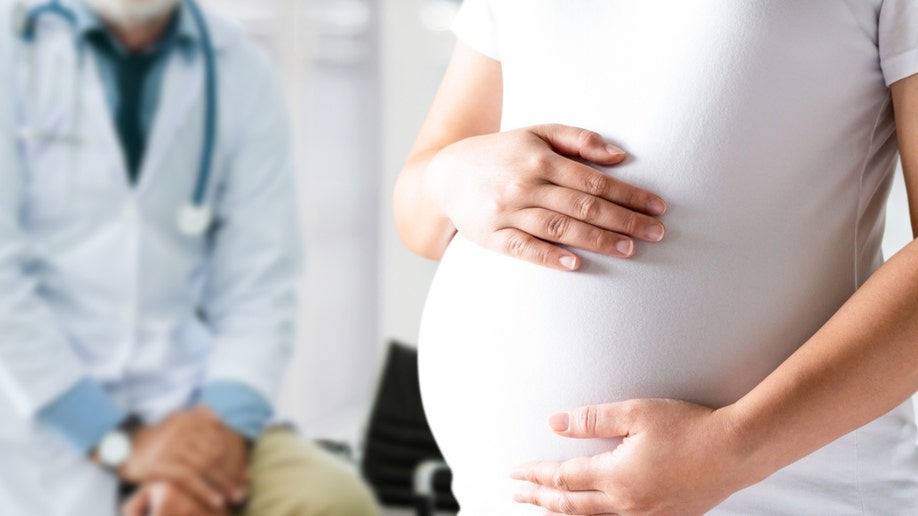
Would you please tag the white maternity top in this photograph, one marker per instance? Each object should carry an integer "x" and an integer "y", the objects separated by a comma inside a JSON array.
[{"x": 767, "y": 127}]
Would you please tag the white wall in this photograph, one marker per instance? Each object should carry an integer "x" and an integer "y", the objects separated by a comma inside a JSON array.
[
  {"x": 359, "y": 76},
  {"x": 413, "y": 60},
  {"x": 325, "y": 51},
  {"x": 898, "y": 227}
]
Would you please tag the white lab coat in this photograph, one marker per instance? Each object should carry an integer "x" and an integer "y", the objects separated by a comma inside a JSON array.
[{"x": 95, "y": 277}]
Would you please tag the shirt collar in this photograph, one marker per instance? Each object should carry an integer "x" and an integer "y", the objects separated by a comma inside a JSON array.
[{"x": 183, "y": 35}]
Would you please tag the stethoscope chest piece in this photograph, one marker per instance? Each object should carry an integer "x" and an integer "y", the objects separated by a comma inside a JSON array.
[{"x": 193, "y": 220}]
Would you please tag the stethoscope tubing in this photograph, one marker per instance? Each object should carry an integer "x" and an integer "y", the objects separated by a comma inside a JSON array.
[
  {"x": 210, "y": 108},
  {"x": 51, "y": 7}
]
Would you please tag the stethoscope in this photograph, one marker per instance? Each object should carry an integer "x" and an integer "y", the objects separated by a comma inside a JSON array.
[{"x": 195, "y": 216}]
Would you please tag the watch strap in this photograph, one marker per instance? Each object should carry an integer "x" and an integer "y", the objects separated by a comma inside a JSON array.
[{"x": 131, "y": 424}]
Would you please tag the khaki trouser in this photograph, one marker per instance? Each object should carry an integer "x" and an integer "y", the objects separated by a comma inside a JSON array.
[{"x": 291, "y": 477}]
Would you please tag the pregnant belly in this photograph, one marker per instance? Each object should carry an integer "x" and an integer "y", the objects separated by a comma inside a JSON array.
[{"x": 504, "y": 344}]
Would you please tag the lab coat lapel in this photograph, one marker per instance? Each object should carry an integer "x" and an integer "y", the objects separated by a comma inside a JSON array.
[
  {"x": 54, "y": 96},
  {"x": 179, "y": 100},
  {"x": 93, "y": 114},
  {"x": 98, "y": 110}
]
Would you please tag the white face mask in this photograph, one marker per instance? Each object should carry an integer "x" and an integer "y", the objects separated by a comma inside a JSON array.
[{"x": 129, "y": 14}]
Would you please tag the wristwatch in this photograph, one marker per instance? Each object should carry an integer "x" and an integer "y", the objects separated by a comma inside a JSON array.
[{"x": 114, "y": 449}]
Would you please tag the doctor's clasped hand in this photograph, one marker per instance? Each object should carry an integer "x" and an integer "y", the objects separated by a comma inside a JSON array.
[
  {"x": 164, "y": 499},
  {"x": 196, "y": 450}
]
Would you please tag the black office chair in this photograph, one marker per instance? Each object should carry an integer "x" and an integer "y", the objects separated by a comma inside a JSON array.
[{"x": 401, "y": 460}]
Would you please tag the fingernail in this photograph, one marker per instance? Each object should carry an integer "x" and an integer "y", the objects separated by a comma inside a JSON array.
[
  {"x": 613, "y": 150},
  {"x": 568, "y": 262},
  {"x": 217, "y": 502},
  {"x": 625, "y": 247},
  {"x": 656, "y": 206},
  {"x": 559, "y": 422},
  {"x": 654, "y": 232}
]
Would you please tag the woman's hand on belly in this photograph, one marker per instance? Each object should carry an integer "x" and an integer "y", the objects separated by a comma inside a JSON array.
[
  {"x": 521, "y": 193},
  {"x": 675, "y": 458}
]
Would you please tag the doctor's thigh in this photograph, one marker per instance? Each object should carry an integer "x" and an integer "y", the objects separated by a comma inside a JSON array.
[{"x": 292, "y": 477}]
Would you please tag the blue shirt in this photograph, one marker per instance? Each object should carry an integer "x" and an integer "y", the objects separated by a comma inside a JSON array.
[{"x": 85, "y": 413}]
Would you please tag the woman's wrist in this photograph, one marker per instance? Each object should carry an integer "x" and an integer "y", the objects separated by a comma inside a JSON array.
[
  {"x": 422, "y": 223},
  {"x": 437, "y": 186},
  {"x": 747, "y": 444},
  {"x": 435, "y": 181}
]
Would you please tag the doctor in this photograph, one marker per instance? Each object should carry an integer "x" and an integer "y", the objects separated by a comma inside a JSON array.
[{"x": 146, "y": 278}]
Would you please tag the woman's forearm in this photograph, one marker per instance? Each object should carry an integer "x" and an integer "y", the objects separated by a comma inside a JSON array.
[
  {"x": 423, "y": 226},
  {"x": 467, "y": 104},
  {"x": 861, "y": 364}
]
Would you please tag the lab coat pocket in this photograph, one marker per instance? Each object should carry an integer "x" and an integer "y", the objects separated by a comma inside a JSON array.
[
  {"x": 49, "y": 180},
  {"x": 193, "y": 343},
  {"x": 14, "y": 427}
]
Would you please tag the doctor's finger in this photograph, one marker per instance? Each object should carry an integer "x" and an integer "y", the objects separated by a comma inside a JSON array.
[
  {"x": 204, "y": 437},
  {"x": 229, "y": 465},
  {"x": 572, "y": 475},
  {"x": 208, "y": 462},
  {"x": 173, "y": 502},
  {"x": 194, "y": 484},
  {"x": 137, "y": 505},
  {"x": 563, "y": 502},
  {"x": 207, "y": 446},
  {"x": 601, "y": 213},
  {"x": 236, "y": 463},
  {"x": 577, "y": 176},
  {"x": 212, "y": 474},
  {"x": 239, "y": 487},
  {"x": 562, "y": 229},
  {"x": 195, "y": 460},
  {"x": 206, "y": 455},
  {"x": 221, "y": 479}
]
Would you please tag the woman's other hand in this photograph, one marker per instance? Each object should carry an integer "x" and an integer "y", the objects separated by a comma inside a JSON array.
[{"x": 675, "y": 458}]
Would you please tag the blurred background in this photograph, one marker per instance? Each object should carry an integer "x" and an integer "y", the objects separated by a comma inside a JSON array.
[{"x": 359, "y": 76}]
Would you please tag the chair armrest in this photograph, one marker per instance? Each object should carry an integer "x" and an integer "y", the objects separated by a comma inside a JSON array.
[{"x": 424, "y": 475}]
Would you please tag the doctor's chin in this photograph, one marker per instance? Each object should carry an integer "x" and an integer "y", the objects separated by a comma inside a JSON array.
[{"x": 189, "y": 322}]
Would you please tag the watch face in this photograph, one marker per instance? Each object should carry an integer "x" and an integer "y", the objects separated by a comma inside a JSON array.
[{"x": 115, "y": 449}]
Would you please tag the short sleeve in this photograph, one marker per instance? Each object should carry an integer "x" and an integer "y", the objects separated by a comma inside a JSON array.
[
  {"x": 898, "y": 39},
  {"x": 474, "y": 26}
]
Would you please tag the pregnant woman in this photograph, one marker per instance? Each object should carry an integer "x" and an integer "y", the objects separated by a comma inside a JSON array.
[{"x": 661, "y": 288}]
